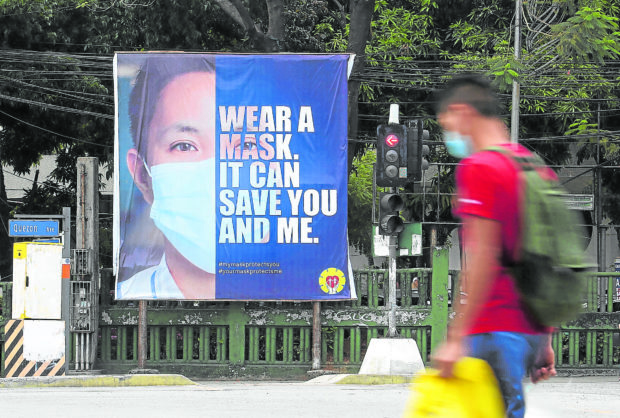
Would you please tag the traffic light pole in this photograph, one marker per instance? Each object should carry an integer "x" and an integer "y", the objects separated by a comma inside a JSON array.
[
  {"x": 393, "y": 248},
  {"x": 391, "y": 355},
  {"x": 392, "y": 254}
]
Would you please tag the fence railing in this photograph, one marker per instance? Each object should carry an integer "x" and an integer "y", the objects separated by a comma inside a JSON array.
[
  {"x": 602, "y": 291},
  {"x": 592, "y": 341},
  {"x": 275, "y": 338}
]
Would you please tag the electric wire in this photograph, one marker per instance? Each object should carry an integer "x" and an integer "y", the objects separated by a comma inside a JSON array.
[
  {"x": 54, "y": 133},
  {"x": 56, "y": 107}
]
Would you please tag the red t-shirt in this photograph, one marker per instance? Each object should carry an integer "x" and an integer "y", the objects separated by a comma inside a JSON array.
[{"x": 488, "y": 186}]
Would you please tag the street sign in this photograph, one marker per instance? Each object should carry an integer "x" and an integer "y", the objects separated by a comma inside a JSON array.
[{"x": 29, "y": 228}]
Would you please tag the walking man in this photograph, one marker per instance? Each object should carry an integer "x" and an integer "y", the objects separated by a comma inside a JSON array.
[{"x": 492, "y": 325}]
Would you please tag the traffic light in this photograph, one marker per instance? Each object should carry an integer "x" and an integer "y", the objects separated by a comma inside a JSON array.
[
  {"x": 418, "y": 151},
  {"x": 390, "y": 222},
  {"x": 391, "y": 155}
]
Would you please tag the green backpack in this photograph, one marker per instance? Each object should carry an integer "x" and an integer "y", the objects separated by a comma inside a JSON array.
[{"x": 550, "y": 270}]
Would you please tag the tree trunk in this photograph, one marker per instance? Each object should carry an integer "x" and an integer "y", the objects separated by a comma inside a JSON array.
[
  {"x": 6, "y": 259},
  {"x": 270, "y": 42},
  {"x": 275, "y": 34},
  {"x": 359, "y": 34}
]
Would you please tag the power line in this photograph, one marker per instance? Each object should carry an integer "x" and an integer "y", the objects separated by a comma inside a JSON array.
[
  {"x": 18, "y": 176},
  {"x": 56, "y": 107},
  {"x": 52, "y": 132},
  {"x": 65, "y": 95}
]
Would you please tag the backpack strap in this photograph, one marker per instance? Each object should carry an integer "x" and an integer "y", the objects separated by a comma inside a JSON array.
[{"x": 523, "y": 163}]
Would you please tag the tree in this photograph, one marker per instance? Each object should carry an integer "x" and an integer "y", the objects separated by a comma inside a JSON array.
[
  {"x": 67, "y": 108},
  {"x": 559, "y": 75},
  {"x": 360, "y": 203},
  {"x": 567, "y": 84},
  {"x": 404, "y": 49}
]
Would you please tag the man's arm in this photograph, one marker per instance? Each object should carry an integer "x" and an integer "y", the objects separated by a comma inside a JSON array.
[{"x": 482, "y": 249}]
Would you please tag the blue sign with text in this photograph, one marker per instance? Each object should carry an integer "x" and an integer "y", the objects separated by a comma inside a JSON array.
[
  {"x": 27, "y": 228},
  {"x": 232, "y": 177}
]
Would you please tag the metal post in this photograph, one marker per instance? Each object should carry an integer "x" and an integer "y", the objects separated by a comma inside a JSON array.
[
  {"x": 600, "y": 229},
  {"x": 65, "y": 301},
  {"x": 516, "y": 88},
  {"x": 392, "y": 253},
  {"x": 393, "y": 248},
  {"x": 87, "y": 363},
  {"x": 77, "y": 352},
  {"x": 142, "y": 334},
  {"x": 82, "y": 354},
  {"x": 434, "y": 242},
  {"x": 66, "y": 232},
  {"x": 316, "y": 335},
  {"x": 604, "y": 283}
]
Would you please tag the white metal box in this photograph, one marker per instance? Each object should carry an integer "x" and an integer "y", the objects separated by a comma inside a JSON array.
[{"x": 37, "y": 283}]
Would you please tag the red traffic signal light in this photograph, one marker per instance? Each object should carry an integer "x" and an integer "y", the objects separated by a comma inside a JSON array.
[
  {"x": 391, "y": 155},
  {"x": 392, "y": 140}
]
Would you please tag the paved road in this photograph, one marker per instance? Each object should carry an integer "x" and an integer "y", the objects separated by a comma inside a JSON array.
[
  {"x": 574, "y": 397},
  {"x": 563, "y": 397}
]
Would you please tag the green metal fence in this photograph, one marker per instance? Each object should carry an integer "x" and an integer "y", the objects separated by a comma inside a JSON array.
[
  {"x": 275, "y": 338},
  {"x": 593, "y": 340},
  {"x": 199, "y": 338}
]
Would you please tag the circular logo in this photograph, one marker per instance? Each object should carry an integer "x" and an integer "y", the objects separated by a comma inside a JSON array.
[{"x": 332, "y": 281}]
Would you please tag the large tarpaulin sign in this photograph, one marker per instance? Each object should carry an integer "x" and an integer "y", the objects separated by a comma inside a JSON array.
[{"x": 231, "y": 175}]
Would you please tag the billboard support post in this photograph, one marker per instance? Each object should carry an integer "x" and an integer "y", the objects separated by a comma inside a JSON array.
[
  {"x": 316, "y": 335},
  {"x": 142, "y": 334}
]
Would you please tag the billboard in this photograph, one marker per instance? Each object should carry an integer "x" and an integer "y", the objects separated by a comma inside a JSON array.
[{"x": 231, "y": 177}]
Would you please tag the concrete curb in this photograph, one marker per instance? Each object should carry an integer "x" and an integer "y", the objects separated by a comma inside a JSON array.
[
  {"x": 375, "y": 379},
  {"x": 97, "y": 381},
  {"x": 326, "y": 379},
  {"x": 361, "y": 379}
]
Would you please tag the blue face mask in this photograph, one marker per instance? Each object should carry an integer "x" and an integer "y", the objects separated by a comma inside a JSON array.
[
  {"x": 458, "y": 145},
  {"x": 184, "y": 209}
]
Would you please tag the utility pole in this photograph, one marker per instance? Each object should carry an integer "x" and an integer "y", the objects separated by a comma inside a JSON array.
[
  {"x": 85, "y": 265},
  {"x": 516, "y": 88}
]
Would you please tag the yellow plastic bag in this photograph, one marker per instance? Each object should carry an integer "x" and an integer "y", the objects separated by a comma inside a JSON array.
[{"x": 472, "y": 392}]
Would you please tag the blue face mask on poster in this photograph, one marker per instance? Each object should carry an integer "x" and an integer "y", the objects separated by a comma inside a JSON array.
[
  {"x": 458, "y": 145},
  {"x": 184, "y": 209}
]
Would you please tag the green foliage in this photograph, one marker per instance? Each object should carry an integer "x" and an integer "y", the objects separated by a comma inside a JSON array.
[
  {"x": 590, "y": 137},
  {"x": 590, "y": 35},
  {"x": 48, "y": 197},
  {"x": 562, "y": 68},
  {"x": 310, "y": 25},
  {"x": 506, "y": 71},
  {"x": 360, "y": 202},
  {"x": 37, "y": 78},
  {"x": 485, "y": 25},
  {"x": 400, "y": 32}
]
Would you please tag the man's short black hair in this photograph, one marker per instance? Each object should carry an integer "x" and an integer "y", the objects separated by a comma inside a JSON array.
[
  {"x": 157, "y": 71},
  {"x": 471, "y": 89}
]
